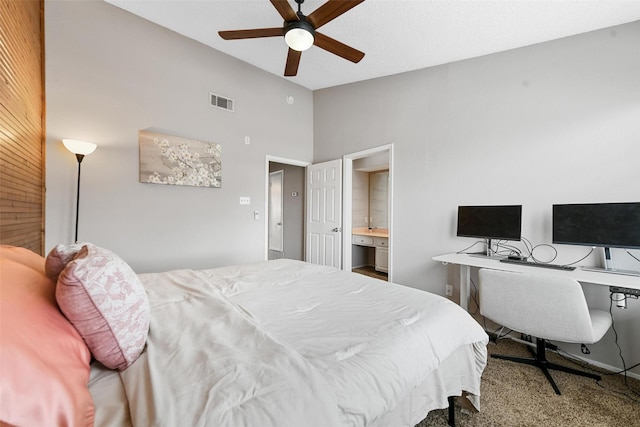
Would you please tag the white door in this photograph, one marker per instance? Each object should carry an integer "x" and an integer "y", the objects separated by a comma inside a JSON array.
[
  {"x": 324, "y": 213},
  {"x": 276, "y": 235}
]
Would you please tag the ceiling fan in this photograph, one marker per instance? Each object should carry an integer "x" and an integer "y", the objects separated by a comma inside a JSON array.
[{"x": 300, "y": 31}]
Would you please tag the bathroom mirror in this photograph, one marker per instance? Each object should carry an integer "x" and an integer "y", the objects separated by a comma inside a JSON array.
[
  {"x": 379, "y": 199},
  {"x": 370, "y": 191}
]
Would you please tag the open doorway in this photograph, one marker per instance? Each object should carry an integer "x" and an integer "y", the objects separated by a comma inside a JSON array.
[
  {"x": 368, "y": 212},
  {"x": 285, "y": 200}
]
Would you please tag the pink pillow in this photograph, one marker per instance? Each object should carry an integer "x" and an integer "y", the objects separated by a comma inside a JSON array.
[
  {"x": 23, "y": 256},
  {"x": 44, "y": 363},
  {"x": 58, "y": 259},
  {"x": 106, "y": 302}
]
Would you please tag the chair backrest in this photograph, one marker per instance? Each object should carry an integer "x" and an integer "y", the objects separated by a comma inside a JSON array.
[{"x": 544, "y": 306}]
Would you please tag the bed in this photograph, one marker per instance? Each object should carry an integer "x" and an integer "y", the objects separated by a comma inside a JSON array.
[{"x": 274, "y": 343}]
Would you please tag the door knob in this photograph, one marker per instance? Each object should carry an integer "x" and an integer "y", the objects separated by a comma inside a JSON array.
[{"x": 337, "y": 229}]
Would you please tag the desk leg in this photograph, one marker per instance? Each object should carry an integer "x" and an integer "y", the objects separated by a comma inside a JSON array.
[{"x": 465, "y": 291}]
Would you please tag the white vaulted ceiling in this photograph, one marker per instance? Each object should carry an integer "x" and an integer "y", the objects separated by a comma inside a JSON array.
[{"x": 396, "y": 36}]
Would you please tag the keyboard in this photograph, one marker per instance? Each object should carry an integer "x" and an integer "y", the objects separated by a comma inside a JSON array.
[{"x": 538, "y": 264}]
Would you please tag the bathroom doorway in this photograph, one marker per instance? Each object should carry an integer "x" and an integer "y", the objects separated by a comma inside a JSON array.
[{"x": 368, "y": 212}]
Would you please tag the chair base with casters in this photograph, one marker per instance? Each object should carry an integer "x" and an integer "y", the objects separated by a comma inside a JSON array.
[{"x": 540, "y": 360}]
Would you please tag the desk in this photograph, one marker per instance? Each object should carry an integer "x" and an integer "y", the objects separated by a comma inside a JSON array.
[{"x": 467, "y": 261}]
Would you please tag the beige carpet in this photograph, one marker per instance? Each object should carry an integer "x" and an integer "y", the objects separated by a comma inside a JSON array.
[{"x": 513, "y": 395}]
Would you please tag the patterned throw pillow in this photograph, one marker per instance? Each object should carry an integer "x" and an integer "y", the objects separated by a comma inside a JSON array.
[
  {"x": 58, "y": 259},
  {"x": 106, "y": 302}
]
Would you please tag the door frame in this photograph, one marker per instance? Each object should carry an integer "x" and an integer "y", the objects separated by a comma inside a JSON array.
[
  {"x": 275, "y": 159},
  {"x": 347, "y": 203}
]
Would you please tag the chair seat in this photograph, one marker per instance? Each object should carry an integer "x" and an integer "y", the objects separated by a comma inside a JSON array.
[
  {"x": 548, "y": 307},
  {"x": 601, "y": 322}
]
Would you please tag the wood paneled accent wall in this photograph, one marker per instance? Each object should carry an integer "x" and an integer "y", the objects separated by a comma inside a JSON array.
[{"x": 22, "y": 112}]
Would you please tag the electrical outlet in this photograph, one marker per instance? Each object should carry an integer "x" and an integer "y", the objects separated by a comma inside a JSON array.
[
  {"x": 245, "y": 200},
  {"x": 448, "y": 290}
]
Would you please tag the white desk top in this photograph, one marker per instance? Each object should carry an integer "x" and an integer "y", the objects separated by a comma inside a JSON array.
[{"x": 596, "y": 277}]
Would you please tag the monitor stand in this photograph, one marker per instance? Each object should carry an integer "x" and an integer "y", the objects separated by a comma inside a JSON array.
[
  {"x": 488, "y": 253},
  {"x": 608, "y": 266}
]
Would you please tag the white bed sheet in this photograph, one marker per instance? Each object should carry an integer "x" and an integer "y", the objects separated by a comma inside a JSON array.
[{"x": 259, "y": 345}]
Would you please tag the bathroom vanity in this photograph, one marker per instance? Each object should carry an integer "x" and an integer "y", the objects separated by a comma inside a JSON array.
[{"x": 378, "y": 240}]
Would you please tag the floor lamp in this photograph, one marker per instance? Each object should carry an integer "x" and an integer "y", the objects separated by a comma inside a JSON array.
[{"x": 80, "y": 149}]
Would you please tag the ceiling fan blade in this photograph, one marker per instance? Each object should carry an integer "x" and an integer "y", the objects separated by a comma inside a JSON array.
[
  {"x": 330, "y": 11},
  {"x": 250, "y": 34},
  {"x": 338, "y": 48},
  {"x": 285, "y": 10},
  {"x": 293, "y": 60}
]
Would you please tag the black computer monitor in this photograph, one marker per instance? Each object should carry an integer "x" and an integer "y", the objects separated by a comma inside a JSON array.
[
  {"x": 605, "y": 225},
  {"x": 613, "y": 225},
  {"x": 502, "y": 222}
]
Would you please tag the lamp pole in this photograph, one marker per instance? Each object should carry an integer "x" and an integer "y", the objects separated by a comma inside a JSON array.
[
  {"x": 80, "y": 149},
  {"x": 79, "y": 157}
]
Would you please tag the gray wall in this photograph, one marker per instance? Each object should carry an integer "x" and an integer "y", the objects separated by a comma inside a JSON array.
[
  {"x": 557, "y": 122},
  {"x": 110, "y": 74}
]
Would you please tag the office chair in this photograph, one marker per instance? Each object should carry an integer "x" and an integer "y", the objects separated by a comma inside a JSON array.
[{"x": 547, "y": 307}]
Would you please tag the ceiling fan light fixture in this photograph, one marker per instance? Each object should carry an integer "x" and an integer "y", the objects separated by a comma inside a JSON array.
[{"x": 299, "y": 35}]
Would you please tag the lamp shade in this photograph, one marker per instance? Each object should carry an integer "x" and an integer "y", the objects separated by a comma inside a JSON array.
[
  {"x": 299, "y": 35},
  {"x": 79, "y": 147}
]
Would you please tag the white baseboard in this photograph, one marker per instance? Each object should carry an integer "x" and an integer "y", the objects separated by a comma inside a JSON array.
[
  {"x": 581, "y": 359},
  {"x": 605, "y": 366}
]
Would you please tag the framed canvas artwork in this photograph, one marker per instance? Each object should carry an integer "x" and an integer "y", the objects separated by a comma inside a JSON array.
[{"x": 172, "y": 160}]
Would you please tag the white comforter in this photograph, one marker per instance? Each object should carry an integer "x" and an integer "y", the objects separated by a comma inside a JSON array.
[{"x": 286, "y": 343}]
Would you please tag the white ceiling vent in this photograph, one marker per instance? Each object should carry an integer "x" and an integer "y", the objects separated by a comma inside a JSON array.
[{"x": 220, "y": 102}]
